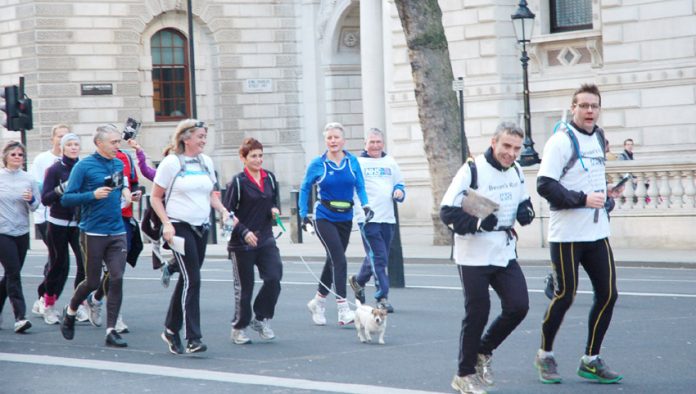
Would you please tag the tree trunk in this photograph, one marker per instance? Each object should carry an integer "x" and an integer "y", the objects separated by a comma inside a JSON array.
[{"x": 437, "y": 102}]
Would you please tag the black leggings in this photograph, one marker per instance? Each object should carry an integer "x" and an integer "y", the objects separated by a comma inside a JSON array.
[
  {"x": 267, "y": 260},
  {"x": 59, "y": 239},
  {"x": 334, "y": 236},
  {"x": 598, "y": 261},
  {"x": 13, "y": 251},
  {"x": 111, "y": 251}
]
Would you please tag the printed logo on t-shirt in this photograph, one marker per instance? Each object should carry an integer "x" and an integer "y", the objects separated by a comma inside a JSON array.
[{"x": 378, "y": 172}]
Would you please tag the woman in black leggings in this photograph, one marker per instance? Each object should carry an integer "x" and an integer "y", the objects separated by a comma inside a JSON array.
[
  {"x": 18, "y": 196},
  {"x": 337, "y": 176}
]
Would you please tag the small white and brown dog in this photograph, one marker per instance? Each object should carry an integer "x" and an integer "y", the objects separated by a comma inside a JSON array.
[{"x": 369, "y": 320}]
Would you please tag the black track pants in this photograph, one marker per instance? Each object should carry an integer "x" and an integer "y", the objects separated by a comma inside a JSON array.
[{"x": 334, "y": 236}]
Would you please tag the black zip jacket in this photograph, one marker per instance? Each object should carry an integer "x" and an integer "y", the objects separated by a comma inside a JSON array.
[
  {"x": 252, "y": 207},
  {"x": 55, "y": 175}
]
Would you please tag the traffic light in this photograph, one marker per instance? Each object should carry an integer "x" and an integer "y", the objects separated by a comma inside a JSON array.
[
  {"x": 25, "y": 116},
  {"x": 10, "y": 107}
]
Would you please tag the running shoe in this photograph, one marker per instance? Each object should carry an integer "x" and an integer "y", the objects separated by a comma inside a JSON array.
[
  {"x": 95, "y": 310},
  {"x": 239, "y": 337},
  {"x": 21, "y": 326},
  {"x": 468, "y": 384},
  {"x": 195, "y": 346},
  {"x": 598, "y": 370},
  {"x": 263, "y": 327},
  {"x": 113, "y": 339},
  {"x": 67, "y": 325},
  {"x": 357, "y": 289},
  {"x": 484, "y": 372},
  {"x": 383, "y": 303},
  {"x": 51, "y": 315},
  {"x": 38, "y": 307},
  {"x": 548, "y": 369},
  {"x": 82, "y": 314},
  {"x": 549, "y": 288},
  {"x": 173, "y": 341},
  {"x": 121, "y": 326},
  {"x": 317, "y": 307},
  {"x": 345, "y": 315}
]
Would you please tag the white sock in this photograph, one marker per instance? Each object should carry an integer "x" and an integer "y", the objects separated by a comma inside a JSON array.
[
  {"x": 170, "y": 332},
  {"x": 543, "y": 353},
  {"x": 108, "y": 330},
  {"x": 71, "y": 312},
  {"x": 588, "y": 359}
]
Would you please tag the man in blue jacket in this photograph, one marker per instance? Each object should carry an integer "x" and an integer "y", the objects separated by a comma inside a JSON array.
[{"x": 96, "y": 185}]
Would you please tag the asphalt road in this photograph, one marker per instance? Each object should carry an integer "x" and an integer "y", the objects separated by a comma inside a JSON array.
[{"x": 652, "y": 340}]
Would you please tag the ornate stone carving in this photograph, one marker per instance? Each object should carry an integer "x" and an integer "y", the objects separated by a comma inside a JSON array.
[
  {"x": 351, "y": 38},
  {"x": 325, "y": 10}
]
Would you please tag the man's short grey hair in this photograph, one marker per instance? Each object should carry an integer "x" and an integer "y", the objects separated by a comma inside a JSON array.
[
  {"x": 333, "y": 126},
  {"x": 508, "y": 128},
  {"x": 374, "y": 131},
  {"x": 103, "y": 130}
]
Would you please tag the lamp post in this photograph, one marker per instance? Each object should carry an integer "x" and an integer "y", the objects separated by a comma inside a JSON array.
[{"x": 523, "y": 23}]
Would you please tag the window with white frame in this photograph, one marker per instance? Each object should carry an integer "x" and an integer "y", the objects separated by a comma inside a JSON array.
[{"x": 569, "y": 15}]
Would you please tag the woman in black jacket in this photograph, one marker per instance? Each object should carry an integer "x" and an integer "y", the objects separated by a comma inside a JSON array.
[
  {"x": 252, "y": 196},
  {"x": 62, "y": 231}
]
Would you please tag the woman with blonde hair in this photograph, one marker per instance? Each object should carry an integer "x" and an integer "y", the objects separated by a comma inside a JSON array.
[
  {"x": 337, "y": 175},
  {"x": 19, "y": 194},
  {"x": 186, "y": 183}
]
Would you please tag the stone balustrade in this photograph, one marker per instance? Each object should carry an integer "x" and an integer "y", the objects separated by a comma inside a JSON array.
[{"x": 658, "y": 187}]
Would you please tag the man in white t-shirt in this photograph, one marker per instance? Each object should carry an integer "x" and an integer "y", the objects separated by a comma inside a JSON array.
[
  {"x": 485, "y": 253},
  {"x": 578, "y": 233},
  {"x": 383, "y": 185}
]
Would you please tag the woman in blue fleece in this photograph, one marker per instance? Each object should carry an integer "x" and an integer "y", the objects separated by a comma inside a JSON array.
[{"x": 337, "y": 176}]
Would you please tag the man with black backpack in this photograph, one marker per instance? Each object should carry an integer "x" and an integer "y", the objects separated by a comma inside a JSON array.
[
  {"x": 485, "y": 252},
  {"x": 572, "y": 178}
]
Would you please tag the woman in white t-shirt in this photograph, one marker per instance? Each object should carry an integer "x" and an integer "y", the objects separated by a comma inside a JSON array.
[{"x": 186, "y": 182}]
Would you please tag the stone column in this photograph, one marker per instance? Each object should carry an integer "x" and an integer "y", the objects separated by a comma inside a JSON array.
[
  {"x": 372, "y": 64},
  {"x": 312, "y": 83}
]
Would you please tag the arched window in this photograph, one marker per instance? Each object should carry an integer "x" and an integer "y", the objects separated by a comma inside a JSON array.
[{"x": 170, "y": 75}]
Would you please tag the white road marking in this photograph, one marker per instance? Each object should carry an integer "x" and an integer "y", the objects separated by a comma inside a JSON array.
[{"x": 203, "y": 374}]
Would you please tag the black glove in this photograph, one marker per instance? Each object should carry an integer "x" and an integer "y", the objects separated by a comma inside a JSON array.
[
  {"x": 489, "y": 223},
  {"x": 60, "y": 189},
  {"x": 525, "y": 212},
  {"x": 369, "y": 213},
  {"x": 307, "y": 224}
]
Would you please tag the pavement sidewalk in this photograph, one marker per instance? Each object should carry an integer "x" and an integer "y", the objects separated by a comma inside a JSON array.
[{"x": 417, "y": 248}]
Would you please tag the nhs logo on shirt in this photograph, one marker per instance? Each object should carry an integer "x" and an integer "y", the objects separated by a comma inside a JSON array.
[{"x": 378, "y": 172}]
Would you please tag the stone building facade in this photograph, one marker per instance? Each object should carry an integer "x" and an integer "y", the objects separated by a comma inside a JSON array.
[{"x": 279, "y": 70}]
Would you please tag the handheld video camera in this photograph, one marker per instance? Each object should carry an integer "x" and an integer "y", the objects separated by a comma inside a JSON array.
[
  {"x": 114, "y": 180},
  {"x": 131, "y": 129}
]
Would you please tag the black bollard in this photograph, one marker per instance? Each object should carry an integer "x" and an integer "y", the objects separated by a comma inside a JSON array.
[{"x": 395, "y": 265}]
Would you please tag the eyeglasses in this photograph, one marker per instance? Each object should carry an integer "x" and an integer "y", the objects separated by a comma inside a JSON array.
[{"x": 587, "y": 105}]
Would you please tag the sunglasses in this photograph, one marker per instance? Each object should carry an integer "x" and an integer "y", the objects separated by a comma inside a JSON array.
[{"x": 16, "y": 154}]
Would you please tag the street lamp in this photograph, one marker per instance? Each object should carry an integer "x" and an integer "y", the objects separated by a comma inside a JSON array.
[{"x": 523, "y": 23}]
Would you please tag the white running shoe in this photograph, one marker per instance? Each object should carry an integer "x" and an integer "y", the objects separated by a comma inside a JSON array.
[
  {"x": 317, "y": 307},
  {"x": 38, "y": 307},
  {"x": 51, "y": 315},
  {"x": 121, "y": 327},
  {"x": 95, "y": 311},
  {"x": 468, "y": 384},
  {"x": 345, "y": 315},
  {"x": 263, "y": 327},
  {"x": 239, "y": 337},
  {"x": 22, "y": 325},
  {"x": 82, "y": 312}
]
